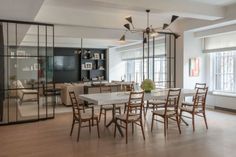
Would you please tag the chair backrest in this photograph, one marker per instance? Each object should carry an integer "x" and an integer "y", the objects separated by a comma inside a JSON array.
[
  {"x": 200, "y": 85},
  {"x": 129, "y": 87},
  {"x": 75, "y": 105},
  {"x": 172, "y": 100},
  {"x": 135, "y": 105},
  {"x": 200, "y": 98}
]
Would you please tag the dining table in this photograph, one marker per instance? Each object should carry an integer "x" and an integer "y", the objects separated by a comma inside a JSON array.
[{"x": 115, "y": 98}]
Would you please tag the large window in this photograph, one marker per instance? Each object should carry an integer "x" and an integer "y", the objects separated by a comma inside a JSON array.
[
  {"x": 224, "y": 66},
  {"x": 134, "y": 70}
]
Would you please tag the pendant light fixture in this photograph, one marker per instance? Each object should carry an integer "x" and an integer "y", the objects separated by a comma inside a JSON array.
[
  {"x": 149, "y": 33},
  {"x": 153, "y": 32}
]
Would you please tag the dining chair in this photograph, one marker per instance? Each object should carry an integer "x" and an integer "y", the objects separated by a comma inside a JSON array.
[
  {"x": 155, "y": 104},
  {"x": 197, "y": 107},
  {"x": 200, "y": 85},
  {"x": 80, "y": 116},
  {"x": 170, "y": 110},
  {"x": 105, "y": 108},
  {"x": 133, "y": 114}
]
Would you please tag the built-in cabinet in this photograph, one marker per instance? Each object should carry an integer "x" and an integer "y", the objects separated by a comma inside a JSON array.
[
  {"x": 76, "y": 64},
  {"x": 93, "y": 65}
]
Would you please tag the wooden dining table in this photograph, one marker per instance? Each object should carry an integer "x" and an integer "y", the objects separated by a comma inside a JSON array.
[{"x": 123, "y": 97}]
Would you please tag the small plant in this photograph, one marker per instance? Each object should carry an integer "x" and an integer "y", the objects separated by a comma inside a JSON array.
[{"x": 148, "y": 85}]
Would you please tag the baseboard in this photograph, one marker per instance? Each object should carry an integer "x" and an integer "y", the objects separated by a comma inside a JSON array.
[{"x": 224, "y": 109}]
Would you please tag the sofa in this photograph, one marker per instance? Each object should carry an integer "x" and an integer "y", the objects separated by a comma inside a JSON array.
[{"x": 78, "y": 88}]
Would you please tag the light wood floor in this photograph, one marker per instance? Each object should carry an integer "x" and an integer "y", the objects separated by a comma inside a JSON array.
[{"x": 51, "y": 139}]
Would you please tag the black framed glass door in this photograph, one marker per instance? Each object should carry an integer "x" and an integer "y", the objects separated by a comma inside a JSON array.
[{"x": 26, "y": 56}]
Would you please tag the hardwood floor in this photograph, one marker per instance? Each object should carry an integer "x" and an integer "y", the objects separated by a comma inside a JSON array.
[{"x": 51, "y": 138}]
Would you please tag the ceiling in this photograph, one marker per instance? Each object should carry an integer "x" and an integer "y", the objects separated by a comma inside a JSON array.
[
  {"x": 101, "y": 21},
  {"x": 216, "y": 2}
]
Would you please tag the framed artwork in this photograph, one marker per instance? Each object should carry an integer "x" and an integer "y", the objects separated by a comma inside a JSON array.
[
  {"x": 88, "y": 66},
  {"x": 194, "y": 67},
  {"x": 96, "y": 55}
]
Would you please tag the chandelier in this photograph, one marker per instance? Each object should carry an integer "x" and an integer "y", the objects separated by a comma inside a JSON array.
[{"x": 149, "y": 31}]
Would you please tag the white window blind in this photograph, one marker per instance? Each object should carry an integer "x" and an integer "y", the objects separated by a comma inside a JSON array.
[
  {"x": 136, "y": 51},
  {"x": 219, "y": 43}
]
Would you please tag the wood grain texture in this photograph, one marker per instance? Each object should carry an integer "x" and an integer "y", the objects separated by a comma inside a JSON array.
[{"x": 51, "y": 139}]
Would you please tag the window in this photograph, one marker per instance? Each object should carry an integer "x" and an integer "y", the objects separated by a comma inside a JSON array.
[
  {"x": 134, "y": 70},
  {"x": 224, "y": 70}
]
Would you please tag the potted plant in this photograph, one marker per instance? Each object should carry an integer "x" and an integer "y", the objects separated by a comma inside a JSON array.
[{"x": 148, "y": 85}]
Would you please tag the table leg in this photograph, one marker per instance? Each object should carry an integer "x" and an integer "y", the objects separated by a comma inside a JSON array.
[{"x": 114, "y": 121}]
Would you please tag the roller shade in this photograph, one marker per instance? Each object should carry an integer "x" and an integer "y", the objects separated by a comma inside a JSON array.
[
  {"x": 219, "y": 43},
  {"x": 136, "y": 51}
]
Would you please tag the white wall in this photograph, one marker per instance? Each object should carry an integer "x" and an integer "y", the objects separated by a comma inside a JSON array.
[
  {"x": 116, "y": 66},
  {"x": 192, "y": 49}
]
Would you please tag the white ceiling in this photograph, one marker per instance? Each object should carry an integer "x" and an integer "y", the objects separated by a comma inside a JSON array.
[
  {"x": 101, "y": 21},
  {"x": 216, "y": 2}
]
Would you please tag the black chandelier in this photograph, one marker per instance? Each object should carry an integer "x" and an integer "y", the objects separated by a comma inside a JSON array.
[{"x": 150, "y": 33}]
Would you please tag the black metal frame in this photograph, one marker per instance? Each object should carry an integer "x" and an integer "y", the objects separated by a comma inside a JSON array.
[
  {"x": 169, "y": 58},
  {"x": 6, "y": 57}
]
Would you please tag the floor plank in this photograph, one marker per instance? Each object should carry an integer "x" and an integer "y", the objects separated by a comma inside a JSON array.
[{"x": 51, "y": 138}]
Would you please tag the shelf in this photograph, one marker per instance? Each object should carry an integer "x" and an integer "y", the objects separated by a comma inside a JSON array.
[
  {"x": 93, "y": 59},
  {"x": 93, "y": 69}
]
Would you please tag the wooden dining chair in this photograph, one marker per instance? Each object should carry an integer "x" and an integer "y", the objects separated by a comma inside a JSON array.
[
  {"x": 80, "y": 115},
  {"x": 105, "y": 108},
  {"x": 170, "y": 110},
  {"x": 200, "y": 85},
  {"x": 197, "y": 107},
  {"x": 133, "y": 114},
  {"x": 155, "y": 104}
]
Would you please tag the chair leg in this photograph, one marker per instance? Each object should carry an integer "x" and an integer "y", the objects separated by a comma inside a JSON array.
[
  {"x": 141, "y": 124},
  {"x": 115, "y": 128},
  {"x": 72, "y": 127},
  {"x": 204, "y": 115},
  {"x": 100, "y": 114},
  {"x": 152, "y": 122},
  {"x": 78, "y": 132},
  {"x": 89, "y": 126},
  {"x": 165, "y": 126},
  {"x": 132, "y": 128},
  {"x": 193, "y": 122},
  {"x": 177, "y": 120},
  {"x": 180, "y": 116},
  {"x": 167, "y": 122},
  {"x": 97, "y": 121},
  {"x": 126, "y": 132},
  {"x": 105, "y": 117}
]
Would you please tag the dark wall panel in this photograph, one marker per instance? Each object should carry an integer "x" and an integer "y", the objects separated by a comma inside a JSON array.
[{"x": 61, "y": 76}]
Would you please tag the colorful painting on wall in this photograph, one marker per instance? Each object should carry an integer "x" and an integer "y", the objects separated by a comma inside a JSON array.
[{"x": 194, "y": 67}]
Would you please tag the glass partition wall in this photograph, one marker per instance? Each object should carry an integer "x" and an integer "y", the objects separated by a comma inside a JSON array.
[
  {"x": 157, "y": 64},
  {"x": 26, "y": 57}
]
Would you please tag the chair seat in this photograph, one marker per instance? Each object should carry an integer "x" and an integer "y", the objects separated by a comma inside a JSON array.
[
  {"x": 187, "y": 103},
  {"x": 189, "y": 109},
  {"x": 85, "y": 116},
  {"x": 156, "y": 102},
  {"x": 162, "y": 112},
  {"x": 133, "y": 117},
  {"x": 109, "y": 107}
]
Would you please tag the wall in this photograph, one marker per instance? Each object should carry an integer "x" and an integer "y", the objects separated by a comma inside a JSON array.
[
  {"x": 192, "y": 49},
  {"x": 116, "y": 66},
  {"x": 66, "y": 75}
]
